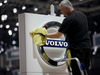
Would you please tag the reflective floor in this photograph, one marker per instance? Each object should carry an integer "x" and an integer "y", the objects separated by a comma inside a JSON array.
[{"x": 95, "y": 71}]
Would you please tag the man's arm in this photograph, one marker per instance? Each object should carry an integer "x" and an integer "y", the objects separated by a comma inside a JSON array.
[{"x": 54, "y": 35}]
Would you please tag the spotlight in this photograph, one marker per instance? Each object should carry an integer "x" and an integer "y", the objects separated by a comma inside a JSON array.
[
  {"x": 24, "y": 7},
  {"x": 14, "y": 47},
  {"x": 1, "y": 26},
  {"x": 35, "y": 9},
  {"x": 13, "y": 42},
  {"x": 95, "y": 32},
  {"x": 2, "y": 42},
  {"x": 15, "y": 10},
  {"x": 7, "y": 26},
  {"x": 5, "y": 1},
  {"x": 4, "y": 17},
  {"x": 7, "y": 69},
  {"x": 17, "y": 24},
  {"x": 0, "y": 4},
  {"x": 2, "y": 49},
  {"x": 95, "y": 23},
  {"x": 10, "y": 32},
  {"x": 14, "y": 34},
  {"x": 15, "y": 29}
]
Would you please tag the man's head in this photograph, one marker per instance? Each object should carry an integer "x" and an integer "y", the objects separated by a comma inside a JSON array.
[{"x": 65, "y": 7}]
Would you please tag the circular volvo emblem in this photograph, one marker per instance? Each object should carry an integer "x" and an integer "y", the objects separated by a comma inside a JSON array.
[{"x": 54, "y": 52}]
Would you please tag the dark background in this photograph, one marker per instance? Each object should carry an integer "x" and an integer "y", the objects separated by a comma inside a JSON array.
[{"x": 91, "y": 8}]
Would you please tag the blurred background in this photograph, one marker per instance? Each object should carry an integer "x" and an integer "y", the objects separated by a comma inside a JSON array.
[{"x": 9, "y": 27}]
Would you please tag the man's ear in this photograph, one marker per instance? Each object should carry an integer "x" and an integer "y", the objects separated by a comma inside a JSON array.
[{"x": 67, "y": 7}]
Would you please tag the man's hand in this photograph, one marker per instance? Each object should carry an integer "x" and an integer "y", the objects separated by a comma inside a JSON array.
[{"x": 54, "y": 35}]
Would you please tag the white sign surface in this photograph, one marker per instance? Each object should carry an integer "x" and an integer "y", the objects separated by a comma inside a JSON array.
[{"x": 30, "y": 59}]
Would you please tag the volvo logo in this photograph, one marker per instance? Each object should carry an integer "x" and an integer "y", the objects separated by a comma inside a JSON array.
[{"x": 56, "y": 43}]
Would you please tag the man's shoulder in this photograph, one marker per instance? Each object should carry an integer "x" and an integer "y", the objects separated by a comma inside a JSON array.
[
  {"x": 74, "y": 14},
  {"x": 79, "y": 13}
]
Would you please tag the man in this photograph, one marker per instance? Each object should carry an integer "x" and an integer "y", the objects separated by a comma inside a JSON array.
[{"x": 75, "y": 27}]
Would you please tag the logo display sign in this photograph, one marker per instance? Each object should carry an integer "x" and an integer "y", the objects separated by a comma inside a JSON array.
[{"x": 56, "y": 43}]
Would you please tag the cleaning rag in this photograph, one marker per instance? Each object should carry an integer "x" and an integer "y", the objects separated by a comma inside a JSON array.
[{"x": 38, "y": 36}]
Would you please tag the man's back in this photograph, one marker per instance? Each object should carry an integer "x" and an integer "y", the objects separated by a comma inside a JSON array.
[{"x": 75, "y": 26}]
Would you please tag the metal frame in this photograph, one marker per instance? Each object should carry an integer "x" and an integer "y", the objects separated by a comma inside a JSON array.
[
  {"x": 60, "y": 60},
  {"x": 78, "y": 62}
]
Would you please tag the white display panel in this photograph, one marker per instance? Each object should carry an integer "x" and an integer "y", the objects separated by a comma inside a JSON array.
[{"x": 30, "y": 59}]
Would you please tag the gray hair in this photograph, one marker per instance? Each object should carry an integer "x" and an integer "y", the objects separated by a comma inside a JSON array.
[{"x": 66, "y": 3}]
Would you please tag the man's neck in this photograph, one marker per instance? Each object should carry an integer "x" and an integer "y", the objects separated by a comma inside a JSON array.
[{"x": 70, "y": 11}]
